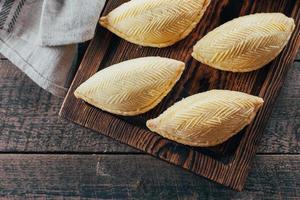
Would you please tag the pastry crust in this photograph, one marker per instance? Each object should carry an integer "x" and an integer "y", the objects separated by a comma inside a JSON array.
[
  {"x": 155, "y": 23},
  {"x": 208, "y": 118},
  {"x": 246, "y": 43},
  {"x": 132, "y": 87}
]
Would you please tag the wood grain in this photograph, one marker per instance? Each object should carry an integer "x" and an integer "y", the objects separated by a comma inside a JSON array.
[
  {"x": 136, "y": 177},
  {"x": 227, "y": 164},
  {"x": 29, "y": 121},
  {"x": 283, "y": 129},
  {"x": 29, "y": 124}
]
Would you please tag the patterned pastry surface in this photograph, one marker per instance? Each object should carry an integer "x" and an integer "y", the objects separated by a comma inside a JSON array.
[
  {"x": 155, "y": 23},
  {"x": 131, "y": 87},
  {"x": 208, "y": 118},
  {"x": 246, "y": 43}
]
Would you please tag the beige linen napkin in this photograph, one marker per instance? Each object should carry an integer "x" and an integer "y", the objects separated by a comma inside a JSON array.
[{"x": 40, "y": 36}]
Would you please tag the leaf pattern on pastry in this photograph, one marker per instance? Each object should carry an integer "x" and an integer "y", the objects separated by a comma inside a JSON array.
[
  {"x": 246, "y": 43},
  {"x": 155, "y": 23},
  {"x": 131, "y": 87},
  {"x": 208, "y": 118}
]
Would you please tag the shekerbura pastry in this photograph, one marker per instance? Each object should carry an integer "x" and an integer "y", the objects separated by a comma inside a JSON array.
[
  {"x": 132, "y": 87},
  {"x": 246, "y": 43},
  {"x": 208, "y": 118},
  {"x": 155, "y": 23}
]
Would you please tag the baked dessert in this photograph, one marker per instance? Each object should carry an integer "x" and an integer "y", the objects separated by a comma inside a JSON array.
[
  {"x": 132, "y": 87},
  {"x": 155, "y": 23},
  {"x": 246, "y": 43},
  {"x": 208, "y": 118}
]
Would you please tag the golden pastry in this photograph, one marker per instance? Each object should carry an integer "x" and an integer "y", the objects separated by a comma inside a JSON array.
[
  {"x": 132, "y": 87},
  {"x": 155, "y": 23},
  {"x": 208, "y": 118},
  {"x": 246, "y": 43}
]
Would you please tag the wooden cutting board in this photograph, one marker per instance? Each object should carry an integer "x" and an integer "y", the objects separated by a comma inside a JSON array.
[{"x": 227, "y": 164}]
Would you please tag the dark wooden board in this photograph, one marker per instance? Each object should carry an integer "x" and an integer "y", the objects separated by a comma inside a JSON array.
[
  {"x": 227, "y": 164},
  {"x": 29, "y": 121},
  {"x": 136, "y": 177},
  {"x": 272, "y": 177}
]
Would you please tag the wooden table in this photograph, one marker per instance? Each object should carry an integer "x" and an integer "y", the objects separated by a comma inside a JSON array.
[{"x": 43, "y": 156}]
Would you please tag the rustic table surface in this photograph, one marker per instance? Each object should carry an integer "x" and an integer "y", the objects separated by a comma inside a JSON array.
[{"x": 43, "y": 156}]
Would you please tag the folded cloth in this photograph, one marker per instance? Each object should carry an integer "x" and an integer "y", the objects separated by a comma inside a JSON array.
[{"x": 40, "y": 36}]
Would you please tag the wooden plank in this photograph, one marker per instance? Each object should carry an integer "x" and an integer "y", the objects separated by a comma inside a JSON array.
[
  {"x": 298, "y": 56},
  {"x": 29, "y": 122},
  {"x": 282, "y": 132},
  {"x": 136, "y": 177},
  {"x": 230, "y": 161}
]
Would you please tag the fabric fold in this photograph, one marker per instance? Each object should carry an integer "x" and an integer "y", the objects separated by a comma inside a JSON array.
[{"x": 40, "y": 37}]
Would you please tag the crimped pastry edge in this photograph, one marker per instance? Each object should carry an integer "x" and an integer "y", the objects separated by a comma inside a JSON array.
[
  {"x": 197, "y": 55},
  {"x": 154, "y": 128},
  {"x": 104, "y": 22},
  {"x": 145, "y": 109}
]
